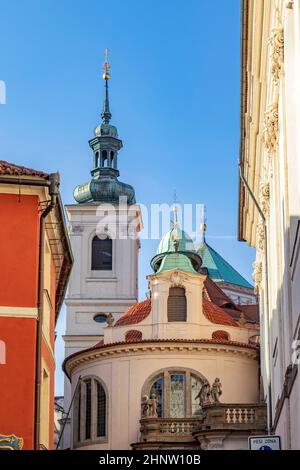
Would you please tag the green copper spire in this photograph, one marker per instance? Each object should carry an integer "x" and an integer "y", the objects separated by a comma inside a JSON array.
[{"x": 104, "y": 187}]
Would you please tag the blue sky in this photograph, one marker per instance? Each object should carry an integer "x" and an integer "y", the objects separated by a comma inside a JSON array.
[{"x": 174, "y": 97}]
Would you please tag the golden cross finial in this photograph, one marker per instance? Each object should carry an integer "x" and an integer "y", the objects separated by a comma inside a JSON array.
[
  {"x": 203, "y": 225},
  {"x": 106, "y": 66},
  {"x": 175, "y": 209}
]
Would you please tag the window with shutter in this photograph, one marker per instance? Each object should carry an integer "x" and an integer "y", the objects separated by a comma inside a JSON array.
[
  {"x": 176, "y": 304},
  {"x": 102, "y": 254}
]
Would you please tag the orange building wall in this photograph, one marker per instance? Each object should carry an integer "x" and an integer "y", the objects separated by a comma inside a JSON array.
[
  {"x": 17, "y": 378},
  {"x": 19, "y": 233},
  {"x": 19, "y": 247}
]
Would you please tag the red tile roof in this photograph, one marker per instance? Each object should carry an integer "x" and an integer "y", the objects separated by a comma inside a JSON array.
[
  {"x": 135, "y": 314},
  {"x": 216, "y": 314},
  {"x": 10, "y": 169},
  {"x": 251, "y": 312},
  {"x": 139, "y": 311}
]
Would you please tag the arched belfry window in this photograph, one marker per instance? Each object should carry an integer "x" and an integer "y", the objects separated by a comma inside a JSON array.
[
  {"x": 176, "y": 304},
  {"x": 104, "y": 158},
  {"x": 90, "y": 411},
  {"x": 101, "y": 254}
]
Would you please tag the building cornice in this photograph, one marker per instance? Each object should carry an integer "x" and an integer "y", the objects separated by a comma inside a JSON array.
[{"x": 152, "y": 346}]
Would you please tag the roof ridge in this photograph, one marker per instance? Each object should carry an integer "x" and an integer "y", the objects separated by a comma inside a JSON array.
[{"x": 12, "y": 169}]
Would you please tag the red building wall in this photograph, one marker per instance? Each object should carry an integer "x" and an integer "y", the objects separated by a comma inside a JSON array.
[
  {"x": 19, "y": 233},
  {"x": 19, "y": 248}
]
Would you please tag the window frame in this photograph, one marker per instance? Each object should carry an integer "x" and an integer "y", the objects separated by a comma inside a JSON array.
[
  {"x": 184, "y": 298},
  {"x": 93, "y": 269},
  {"x": 166, "y": 374},
  {"x": 79, "y": 433}
]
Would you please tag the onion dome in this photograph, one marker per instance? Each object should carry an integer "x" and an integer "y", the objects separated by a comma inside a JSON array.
[
  {"x": 176, "y": 261},
  {"x": 166, "y": 244},
  {"x": 176, "y": 242}
]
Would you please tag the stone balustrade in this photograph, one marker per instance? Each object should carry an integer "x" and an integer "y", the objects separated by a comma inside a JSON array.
[{"x": 248, "y": 418}]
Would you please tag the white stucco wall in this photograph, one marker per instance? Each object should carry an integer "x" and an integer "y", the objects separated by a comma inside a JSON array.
[{"x": 124, "y": 377}]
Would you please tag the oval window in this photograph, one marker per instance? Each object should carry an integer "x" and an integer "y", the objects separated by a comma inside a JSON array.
[{"x": 100, "y": 318}]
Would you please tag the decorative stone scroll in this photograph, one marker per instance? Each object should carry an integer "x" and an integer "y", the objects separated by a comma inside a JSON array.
[
  {"x": 277, "y": 55},
  {"x": 270, "y": 131},
  {"x": 265, "y": 198},
  {"x": 260, "y": 238}
]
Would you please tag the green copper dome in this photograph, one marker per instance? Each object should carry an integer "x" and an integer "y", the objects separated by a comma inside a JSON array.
[
  {"x": 166, "y": 244},
  {"x": 179, "y": 243},
  {"x": 176, "y": 261}
]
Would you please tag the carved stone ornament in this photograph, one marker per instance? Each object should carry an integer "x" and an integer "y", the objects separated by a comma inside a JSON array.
[
  {"x": 277, "y": 45},
  {"x": 271, "y": 128},
  {"x": 265, "y": 198},
  {"x": 257, "y": 275},
  {"x": 177, "y": 280},
  {"x": 260, "y": 238}
]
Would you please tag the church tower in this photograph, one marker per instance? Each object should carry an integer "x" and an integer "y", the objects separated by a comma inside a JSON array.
[{"x": 104, "y": 227}]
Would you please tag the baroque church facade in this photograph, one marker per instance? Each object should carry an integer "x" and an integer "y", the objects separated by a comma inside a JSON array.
[{"x": 177, "y": 370}]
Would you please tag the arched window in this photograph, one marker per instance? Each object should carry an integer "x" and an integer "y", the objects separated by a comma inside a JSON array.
[
  {"x": 112, "y": 154},
  {"x": 102, "y": 254},
  {"x": 221, "y": 335},
  {"x": 133, "y": 335},
  {"x": 96, "y": 163},
  {"x": 176, "y": 304},
  {"x": 90, "y": 402},
  {"x": 104, "y": 158},
  {"x": 176, "y": 392}
]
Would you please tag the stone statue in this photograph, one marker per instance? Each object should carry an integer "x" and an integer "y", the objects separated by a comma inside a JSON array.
[
  {"x": 11, "y": 442},
  {"x": 152, "y": 402},
  {"x": 204, "y": 394},
  {"x": 110, "y": 319},
  {"x": 145, "y": 406},
  {"x": 216, "y": 391}
]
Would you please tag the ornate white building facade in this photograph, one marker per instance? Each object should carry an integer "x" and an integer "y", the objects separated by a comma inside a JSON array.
[{"x": 269, "y": 198}]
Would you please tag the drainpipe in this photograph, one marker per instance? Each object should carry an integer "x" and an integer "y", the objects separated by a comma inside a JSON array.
[
  {"x": 269, "y": 391},
  {"x": 53, "y": 192},
  {"x": 68, "y": 413}
]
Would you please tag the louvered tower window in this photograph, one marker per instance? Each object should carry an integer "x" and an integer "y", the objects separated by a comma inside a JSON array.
[
  {"x": 101, "y": 254},
  {"x": 176, "y": 304}
]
